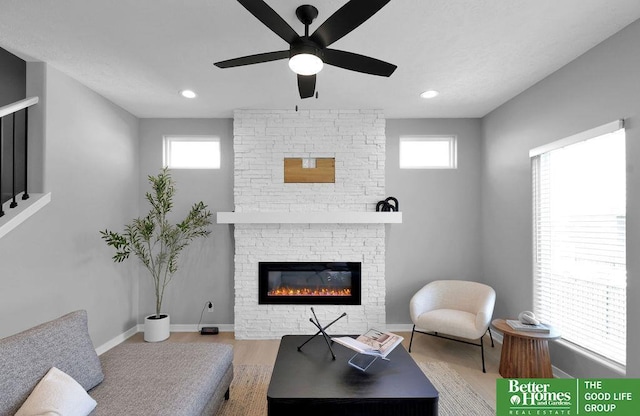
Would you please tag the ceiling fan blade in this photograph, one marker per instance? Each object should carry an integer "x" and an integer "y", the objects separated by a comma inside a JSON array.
[
  {"x": 358, "y": 63},
  {"x": 253, "y": 59},
  {"x": 270, "y": 19},
  {"x": 306, "y": 85},
  {"x": 347, "y": 18}
]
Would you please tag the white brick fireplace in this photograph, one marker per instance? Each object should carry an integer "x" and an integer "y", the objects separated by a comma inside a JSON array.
[{"x": 262, "y": 139}]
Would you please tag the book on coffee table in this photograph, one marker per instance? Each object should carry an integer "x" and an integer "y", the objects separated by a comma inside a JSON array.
[{"x": 373, "y": 342}]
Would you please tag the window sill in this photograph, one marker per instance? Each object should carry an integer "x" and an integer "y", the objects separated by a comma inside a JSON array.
[{"x": 13, "y": 217}]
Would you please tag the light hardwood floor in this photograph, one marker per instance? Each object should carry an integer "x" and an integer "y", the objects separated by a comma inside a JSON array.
[{"x": 465, "y": 359}]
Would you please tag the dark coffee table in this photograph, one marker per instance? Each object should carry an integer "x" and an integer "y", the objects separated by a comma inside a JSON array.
[{"x": 309, "y": 382}]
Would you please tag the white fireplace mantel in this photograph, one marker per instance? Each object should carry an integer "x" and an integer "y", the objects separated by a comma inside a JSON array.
[{"x": 309, "y": 217}]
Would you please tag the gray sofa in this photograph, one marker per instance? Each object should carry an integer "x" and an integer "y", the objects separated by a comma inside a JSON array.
[{"x": 130, "y": 379}]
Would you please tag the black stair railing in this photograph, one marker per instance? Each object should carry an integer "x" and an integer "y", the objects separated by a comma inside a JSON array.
[{"x": 8, "y": 113}]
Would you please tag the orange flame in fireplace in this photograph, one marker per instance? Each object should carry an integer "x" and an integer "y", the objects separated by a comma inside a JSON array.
[{"x": 287, "y": 291}]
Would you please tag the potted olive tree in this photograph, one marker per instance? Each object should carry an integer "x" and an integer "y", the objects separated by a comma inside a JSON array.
[{"x": 158, "y": 243}]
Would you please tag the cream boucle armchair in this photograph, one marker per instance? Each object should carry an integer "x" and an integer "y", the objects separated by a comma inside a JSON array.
[{"x": 457, "y": 308}]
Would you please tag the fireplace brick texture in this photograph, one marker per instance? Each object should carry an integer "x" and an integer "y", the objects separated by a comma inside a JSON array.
[{"x": 262, "y": 139}]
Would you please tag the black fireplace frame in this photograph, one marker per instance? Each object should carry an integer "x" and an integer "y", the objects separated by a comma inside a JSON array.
[{"x": 356, "y": 283}]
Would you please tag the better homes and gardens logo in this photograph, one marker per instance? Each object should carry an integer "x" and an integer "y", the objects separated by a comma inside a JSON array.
[
  {"x": 536, "y": 396},
  {"x": 544, "y": 397}
]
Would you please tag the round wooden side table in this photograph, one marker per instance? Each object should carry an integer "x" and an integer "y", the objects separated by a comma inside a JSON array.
[{"x": 524, "y": 354}]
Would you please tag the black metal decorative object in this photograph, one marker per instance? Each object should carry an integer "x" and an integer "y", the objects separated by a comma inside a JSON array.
[
  {"x": 389, "y": 204},
  {"x": 321, "y": 330}
]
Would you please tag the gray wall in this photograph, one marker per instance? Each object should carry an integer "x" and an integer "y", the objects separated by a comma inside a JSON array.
[
  {"x": 56, "y": 262},
  {"x": 206, "y": 266},
  {"x": 440, "y": 234},
  {"x": 598, "y": 87}
]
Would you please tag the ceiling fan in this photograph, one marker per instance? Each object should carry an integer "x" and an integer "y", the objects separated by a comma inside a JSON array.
[{"x": 308, "y": 53}]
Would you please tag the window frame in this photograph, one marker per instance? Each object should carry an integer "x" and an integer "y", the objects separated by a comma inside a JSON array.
[
  {"x": 450, "y": 139},
  {"x": 536, "y": 155},
  {"x": 167, "y": 140}
]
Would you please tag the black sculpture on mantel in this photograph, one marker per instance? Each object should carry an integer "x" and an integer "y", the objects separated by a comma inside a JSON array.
[{"x": 386, "y": 205}]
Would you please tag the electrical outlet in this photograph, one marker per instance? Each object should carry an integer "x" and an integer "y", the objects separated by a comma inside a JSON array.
[{"x": 209, "y": 306}]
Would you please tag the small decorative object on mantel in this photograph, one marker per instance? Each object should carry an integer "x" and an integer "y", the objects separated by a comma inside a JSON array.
[
  {"x": 321, "y": 330},
  {"x": 389, "y": 204}
]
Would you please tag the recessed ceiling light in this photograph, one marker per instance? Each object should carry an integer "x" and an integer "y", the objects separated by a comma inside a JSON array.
[
  {"x": 429, "y": 94},
  {"x": 188, "y": 94}
]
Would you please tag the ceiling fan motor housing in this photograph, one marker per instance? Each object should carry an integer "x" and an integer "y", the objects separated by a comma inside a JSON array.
[{"x": 305, "y": 45}]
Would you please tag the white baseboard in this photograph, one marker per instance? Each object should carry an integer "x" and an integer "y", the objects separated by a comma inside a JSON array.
[{"x": 119, "y": 339}]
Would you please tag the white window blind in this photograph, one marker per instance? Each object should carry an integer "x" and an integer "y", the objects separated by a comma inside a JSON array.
[{"x": 579, "y": 229}]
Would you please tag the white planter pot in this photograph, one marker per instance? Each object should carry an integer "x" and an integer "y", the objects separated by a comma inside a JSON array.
[{"x": 156, "y": 330}]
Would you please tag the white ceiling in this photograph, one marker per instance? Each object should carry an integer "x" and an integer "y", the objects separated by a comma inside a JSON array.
[{"x": 141, "y": 53}]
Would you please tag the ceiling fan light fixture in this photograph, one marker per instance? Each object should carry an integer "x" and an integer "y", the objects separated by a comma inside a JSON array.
[{"x": 305, "y": 64}]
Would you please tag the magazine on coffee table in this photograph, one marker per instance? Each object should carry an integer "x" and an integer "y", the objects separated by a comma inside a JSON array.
[{"x": 373, "y": 342}]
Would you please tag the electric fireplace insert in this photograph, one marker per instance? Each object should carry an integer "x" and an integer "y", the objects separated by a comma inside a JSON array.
[{"x": 309, "y": 283}]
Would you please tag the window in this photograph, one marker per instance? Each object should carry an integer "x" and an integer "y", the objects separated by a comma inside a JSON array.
[
  {"x": 192, "y": 152},
  {"x": 428, "y": 152},
  {"x": 579, "y": 231}
]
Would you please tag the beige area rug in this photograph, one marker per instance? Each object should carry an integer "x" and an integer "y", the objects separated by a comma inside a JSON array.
[
  {"x": 456, "y": 395},
  {"x": 250, "y": 384},
  {"x": 248, "y": 391}
]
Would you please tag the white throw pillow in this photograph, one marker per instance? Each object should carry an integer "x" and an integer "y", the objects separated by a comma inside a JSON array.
[{"x": 57, "y": 394}]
